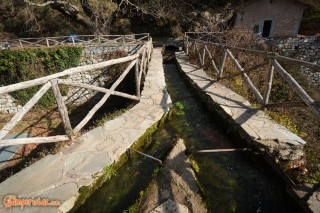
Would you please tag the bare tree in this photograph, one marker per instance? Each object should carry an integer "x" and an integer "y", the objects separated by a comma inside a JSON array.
[{"x": 94, "y": 15}]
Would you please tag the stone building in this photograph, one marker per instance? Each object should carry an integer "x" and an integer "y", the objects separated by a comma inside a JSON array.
[{"x": 271, "y": 18}]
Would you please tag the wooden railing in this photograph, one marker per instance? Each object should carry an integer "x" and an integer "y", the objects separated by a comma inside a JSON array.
[
  {"x": 138, "y": 63},
  {"x": 271, "y": 59},
  {"x": 74, "y": 40}
]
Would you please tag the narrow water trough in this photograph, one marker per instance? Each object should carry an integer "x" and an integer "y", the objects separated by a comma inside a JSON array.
[{"x": 229, "y": 181}]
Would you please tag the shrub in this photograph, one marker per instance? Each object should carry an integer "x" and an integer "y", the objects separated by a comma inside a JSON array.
[{"x": 31, "y": 63}]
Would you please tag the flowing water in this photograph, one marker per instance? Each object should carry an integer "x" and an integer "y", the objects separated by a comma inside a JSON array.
[{"x": 230, "y": 181}]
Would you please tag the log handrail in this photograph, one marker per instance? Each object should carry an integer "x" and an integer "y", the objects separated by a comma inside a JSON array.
[
  {"x": 142, "y": 55},
  {"x": 272, "y": 59},
  {"x": 78, "y": 40}
]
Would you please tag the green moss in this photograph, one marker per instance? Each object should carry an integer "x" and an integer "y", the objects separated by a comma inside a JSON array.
[
  {"x": 110, "y": 170},
  {"x": 194, "y": 165}
]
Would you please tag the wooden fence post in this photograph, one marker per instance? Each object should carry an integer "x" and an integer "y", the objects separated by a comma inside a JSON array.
[
  {"x": 48, "y": 44},
  {"x": 267, "y": 92},
  {"x": 203, "y": 55},
  {"x": 187, "y": 45},
  {"x": 73, "y": 42},
  {"x": 222, "y": 63},
  {"x": 62, "y": 107},
  {"x": 137, "y": 78}
]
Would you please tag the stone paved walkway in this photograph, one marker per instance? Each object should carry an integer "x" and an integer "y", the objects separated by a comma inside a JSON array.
[
  {"x": 253, "y": 122},
  {"x": 60, "y": 176}
]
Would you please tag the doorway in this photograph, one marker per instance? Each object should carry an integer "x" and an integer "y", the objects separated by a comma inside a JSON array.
[{"x": 266, "y": 28}]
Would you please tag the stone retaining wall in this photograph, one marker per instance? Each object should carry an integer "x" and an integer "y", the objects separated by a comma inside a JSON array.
[
  {"x": 91, "y": 55},
  {"x": 302, "y": 48}
]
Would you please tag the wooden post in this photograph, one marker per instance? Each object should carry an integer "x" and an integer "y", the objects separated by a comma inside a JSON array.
[
  {"x": 203, "y": 54},
  {"x": 74, "y": 44},
  {"x": 222, "y": 63},
  {"x": 104, "y": 98},
  {"x": 297, "y": 88},
  {"x": 96, "y": 88},
  {"x": 142, "y": 61},
  {"x": 187, "y": 46},
  {"x": 194, "y": 46},
  {"x": 123, "y": 39},
  {"x": 20, "y": 43},
  {"x": 150, "y": 50},
  {"x": 48, "y": 44},
  {"x": 8, "y": 127},
  {"x": 267, "y": 92},
  {"x": 62, "y": 107},
  {"x": 99, "y": 39},
  {"x": 199, "y": 55},
  {"x": 137, "y": 79}
]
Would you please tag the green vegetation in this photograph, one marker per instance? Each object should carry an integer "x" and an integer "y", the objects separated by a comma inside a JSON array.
[
  {"x": 109, "y": 172},
  {"x": 134, "y": 208},
  {"x": 27, "y": 64}
]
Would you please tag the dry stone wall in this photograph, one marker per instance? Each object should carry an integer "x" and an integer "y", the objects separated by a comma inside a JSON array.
[
  {"x": 91, "y": 55},
  {"x": 302, "y": 48}
]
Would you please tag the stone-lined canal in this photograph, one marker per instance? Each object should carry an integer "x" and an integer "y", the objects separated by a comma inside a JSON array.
[{"x": 229, "y": 181}]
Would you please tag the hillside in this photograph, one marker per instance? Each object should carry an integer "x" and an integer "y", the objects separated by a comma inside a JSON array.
[{"x": 161, "y": 18}]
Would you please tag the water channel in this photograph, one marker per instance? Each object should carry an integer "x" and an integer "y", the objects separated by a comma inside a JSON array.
[{"x": 229, "y": 181}]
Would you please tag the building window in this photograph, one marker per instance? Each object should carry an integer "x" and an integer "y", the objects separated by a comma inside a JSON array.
[{"x": 256, "y": 29}]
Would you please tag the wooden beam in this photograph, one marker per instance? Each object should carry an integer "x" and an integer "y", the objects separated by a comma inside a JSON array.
[
  {"x": 96, "y": 88},
  {"x": 313, "y": 67},
  {"x": 72, "y": 71},
  {"x": 212, "y": 61},
  {"x": 297, "y": 88},
  {"x": 245, "y": 70},
  {"x": 220, "y": 150},
  {"x": 35, "y": 140},
  {"x": 246, "y": 78},
  {"x": 104, "y": 98},
  {"x": 286, "y": 104},
  {"x": 8, "y": 127},
  {"x": 62, "y": 107}
]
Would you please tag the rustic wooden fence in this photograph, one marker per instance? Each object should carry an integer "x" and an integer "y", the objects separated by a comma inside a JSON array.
[
  {"x": 193, "y": 43},
  {"x": 75, "y": 40},
  {"x": 138, "y": 63}
]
